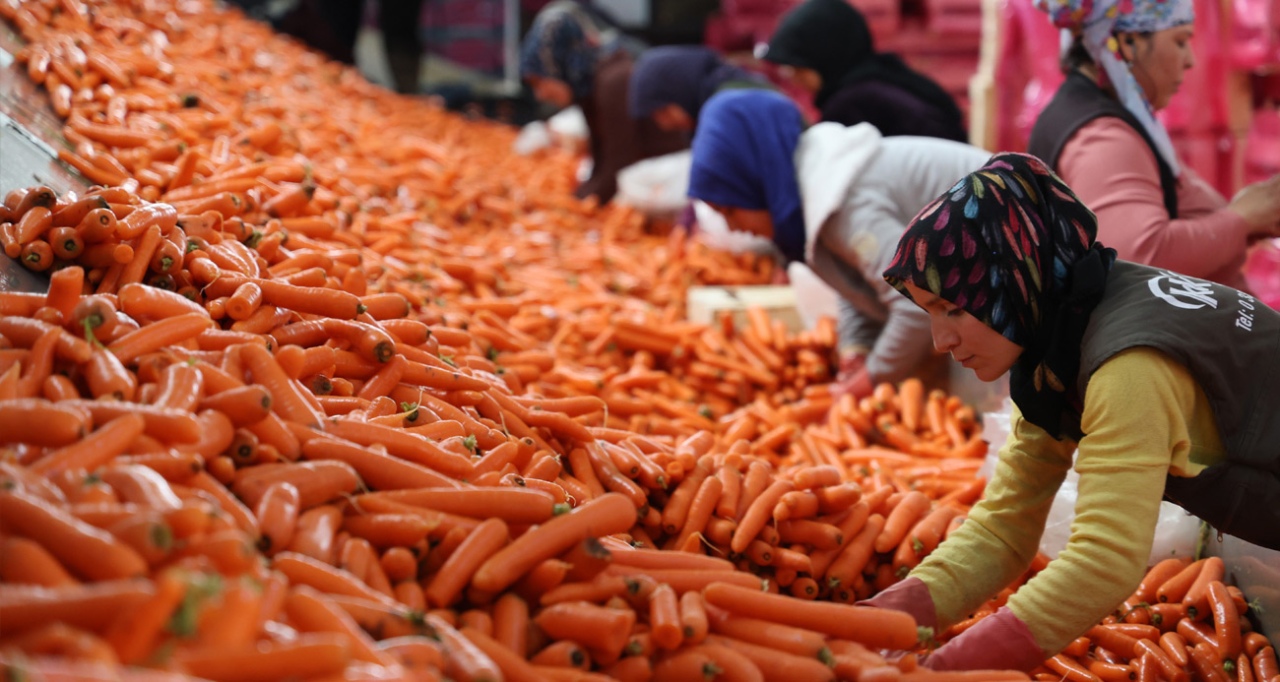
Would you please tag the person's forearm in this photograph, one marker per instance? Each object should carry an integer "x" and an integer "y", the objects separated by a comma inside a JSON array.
[
  {"x": 903, "y": 345},
  {"x": 857, "y": 334},
  {"x": 1002, "y": 534}
]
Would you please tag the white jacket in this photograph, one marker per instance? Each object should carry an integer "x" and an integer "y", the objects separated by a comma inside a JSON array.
[{"x": 859, "y": 190}]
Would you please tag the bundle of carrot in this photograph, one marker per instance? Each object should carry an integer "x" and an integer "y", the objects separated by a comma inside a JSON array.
[{"x": 380, "y": 403}]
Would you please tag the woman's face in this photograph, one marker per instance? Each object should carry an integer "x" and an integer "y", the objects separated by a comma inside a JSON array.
[
  {"x": 754, "y": 221},
  {"x": 970, "y": 342},
  {"x": 553, "y": 91},
  {"x": 672, "y": 118},
  {"x": 1159, "y": 60},
  {"x": 805, "y": 79}
]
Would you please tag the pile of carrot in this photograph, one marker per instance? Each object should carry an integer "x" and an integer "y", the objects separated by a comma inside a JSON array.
[
  {"x": 330, "y": 385},
  {"x": 1182, "y": 623}
]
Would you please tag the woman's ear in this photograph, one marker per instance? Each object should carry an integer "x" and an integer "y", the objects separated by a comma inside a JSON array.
[{"x": 1126, "y": 43}]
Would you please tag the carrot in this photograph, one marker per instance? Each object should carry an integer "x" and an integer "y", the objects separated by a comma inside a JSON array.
[
  {"x": 463, "y": 565},
  {"x": 160, "y": 334},
  {"x": 277, "y": 514},
  {"x": 1206, "y": 663},
  {"x": 286, "y": 395},
  {"x": 1167, "y": 667},
  {"x": 602, "y": 630},
  {"x": 513, "y": 505},
  {"x": 134, "y": 632},
  {"x": 317, "y": 482},
  {"x": 91, "y": 606},
  {"x": 694, "y": 621},
  {"x": 1264, "y": 664},
  {"x": 1197, "y": 597},
  {"x": 664, "y": 617},
  {"x": 60, "y": 425},
  {"x": 1175, "y": 587},
  {"x": 301, "y": 569},
  {"x": 563, "y": 653},
  {"x": 1159, "y": 573},
  {"x": 1070, "y": 670},
  {"x": 605, "y": 515},
  {"x": 465, "y": 661},
  {"x": 511, "y": 623},
  {"x": 774, "y": 664},
  {"x": 308, "y": 655},
  {"x": 25, "y": 561},
  {"x": 758, "y": 513},
  {"x": 374, "y": 467},
  {"x": 86, "y": 550},
  {"x": 923, "y": 537},
  {"x": 309, "y": 611},
  {"x": 514, "y": 667},
  {"x": 98, "y": 448},
  {"x": 871, "y": 626},
  {"x": 1226, "y": 620}
]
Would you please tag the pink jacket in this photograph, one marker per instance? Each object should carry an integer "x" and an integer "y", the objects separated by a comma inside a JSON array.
[{"x": 1114, "y": 172}]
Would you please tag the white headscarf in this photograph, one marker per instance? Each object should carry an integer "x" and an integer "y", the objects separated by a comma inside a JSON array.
[{"x": 1096, "y": 22}]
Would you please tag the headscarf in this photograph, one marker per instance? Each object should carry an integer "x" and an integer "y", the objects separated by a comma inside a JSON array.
[
  {"x": 832, "y": 38},
  {"x": 564, "y": 43},
  {"x": 743, "y": 156},
  {"x": 684, "y": 75},
  {"x": 1096, "y": 22},
  {"x": 1013, "y": 246}
]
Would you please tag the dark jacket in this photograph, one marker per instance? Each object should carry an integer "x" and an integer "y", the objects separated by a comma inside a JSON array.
[
  {"x": 617, "y": 140},
  {"x": 1230, "y": 343},
  {"x": 892, "y": 110}
]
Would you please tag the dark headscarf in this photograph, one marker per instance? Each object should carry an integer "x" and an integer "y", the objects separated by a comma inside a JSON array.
[
  {"x": 684, "y": 75},
  {"x": 832, "y": 38},
  {"x": 743, "y": 156},
  {"x": 564, "y": 43},
  {"x": 1011, "y": 245}
]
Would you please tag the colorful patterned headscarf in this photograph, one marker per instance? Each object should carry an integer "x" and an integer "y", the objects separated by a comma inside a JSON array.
[
  {"x": 564, "y": 45},
  {"x": 1011, "y": 245},
  {"x": 1096, "y": 21},
  {"x": 744, "y": 156}
]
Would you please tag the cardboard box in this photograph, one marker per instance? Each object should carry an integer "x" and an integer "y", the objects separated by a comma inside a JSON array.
[{"x": 778, "y": 301}]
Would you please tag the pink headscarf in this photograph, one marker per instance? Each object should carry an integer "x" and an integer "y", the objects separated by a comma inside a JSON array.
[{"x": 1096, "y": 21}]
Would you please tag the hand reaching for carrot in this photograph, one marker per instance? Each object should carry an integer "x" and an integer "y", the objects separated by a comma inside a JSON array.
[{"x": 853, "y": 378}]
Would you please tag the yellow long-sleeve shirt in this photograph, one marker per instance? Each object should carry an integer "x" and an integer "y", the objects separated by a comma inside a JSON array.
[{"x": 1144, "y": 417}]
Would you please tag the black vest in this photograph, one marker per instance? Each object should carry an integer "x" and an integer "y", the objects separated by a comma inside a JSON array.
[
  {"x": 1077, "y": 102},
  {"x": 1230, "y": 343}
]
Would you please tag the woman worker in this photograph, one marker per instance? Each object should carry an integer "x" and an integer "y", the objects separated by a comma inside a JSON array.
[
  {"x": 1164, "y": 384},
  {"x": 671, "y": 83},
  {"x": 837, "y": 199},
  {"x": 1100, "y": 134},
  {"x": 570, "y": 56},
  {"x": 827, "y": 49}
]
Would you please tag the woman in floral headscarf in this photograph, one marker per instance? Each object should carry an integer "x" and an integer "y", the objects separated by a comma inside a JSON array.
[
  {"x": 1160, "y": 384},
  {"x": 1100, "y": 134},
  {"x": 572, "y": 55}
]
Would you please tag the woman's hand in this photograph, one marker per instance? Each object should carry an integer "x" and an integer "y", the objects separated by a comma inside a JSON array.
[
  {"x": 1000, "y": 641},
  {"x": 852, "y": 377},
  {"x": 1259, "y": 205}
]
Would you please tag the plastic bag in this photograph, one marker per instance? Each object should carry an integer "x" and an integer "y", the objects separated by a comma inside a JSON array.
[
  {"x": 657, "y": 186},
  {"x": 569, "y": 127},
  {"x": 715, "y": 233},
  {"x": 1176, "y": 530},
  {"x": 534, "y": 136}
]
